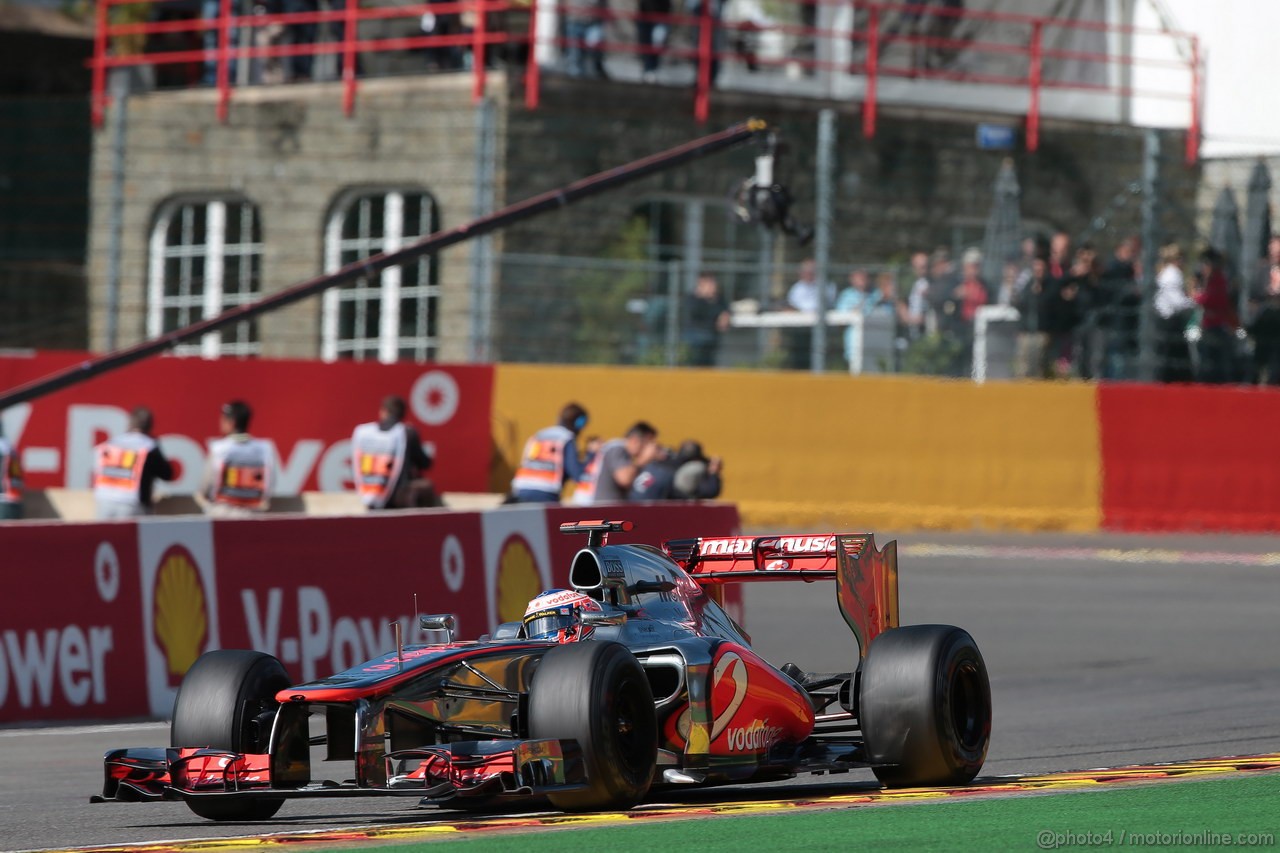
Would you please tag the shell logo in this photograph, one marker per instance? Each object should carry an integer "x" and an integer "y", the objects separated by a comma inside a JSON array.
[
  {"x": 179, "y": 612},
  {"x": 518, "y": 580}
]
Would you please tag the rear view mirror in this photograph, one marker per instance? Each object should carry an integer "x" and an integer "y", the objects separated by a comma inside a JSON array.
[{"x": 439, "y": 622}]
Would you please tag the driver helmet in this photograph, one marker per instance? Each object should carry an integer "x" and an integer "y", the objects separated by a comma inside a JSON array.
[{"x": 554, "y": 615}]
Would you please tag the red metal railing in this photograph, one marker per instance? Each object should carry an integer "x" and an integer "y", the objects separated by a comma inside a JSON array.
[
  {"x": 1015, "y": 51},
  {"x": 349, "y": 47}
]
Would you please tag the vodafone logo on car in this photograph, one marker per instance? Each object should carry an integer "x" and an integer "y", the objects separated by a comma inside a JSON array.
[{"x": 754, "y": 737}]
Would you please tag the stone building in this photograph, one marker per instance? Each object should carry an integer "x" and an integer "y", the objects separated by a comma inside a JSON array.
[{"x": 290, "y": 187}]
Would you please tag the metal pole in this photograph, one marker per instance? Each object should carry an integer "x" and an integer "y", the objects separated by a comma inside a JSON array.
[
  {"x": 368, "y": 267},
  {"x": 1151, "y": 237},
  {"x": 766, "y": 276},
  {"x": 822, "y": 234},
  {"x": 693, "y": 221},
  {"x": 673, "y": 313},
  {"x": 482, "y": 261},
  {"x": 119, "y": 86}
]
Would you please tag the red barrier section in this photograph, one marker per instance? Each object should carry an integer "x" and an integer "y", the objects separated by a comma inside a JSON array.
[
  {"x": 307, "y": 408},
  {"x": 1189, "y": 458},
  {"x": 100, "y": 621}
]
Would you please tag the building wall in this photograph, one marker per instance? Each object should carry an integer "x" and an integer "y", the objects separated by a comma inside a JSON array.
[
  {"x": 291, "y": 151},
  {"x": 921, "y": 182}
]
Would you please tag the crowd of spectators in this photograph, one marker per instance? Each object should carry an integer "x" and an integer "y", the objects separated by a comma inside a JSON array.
[{"x": 1078, "y": 315}]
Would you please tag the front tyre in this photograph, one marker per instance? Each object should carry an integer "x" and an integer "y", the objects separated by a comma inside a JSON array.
[
  {"x": 597, "y": 694},
  {"x": 227, "y": 701},
  {"x": 925, "y": 706}
]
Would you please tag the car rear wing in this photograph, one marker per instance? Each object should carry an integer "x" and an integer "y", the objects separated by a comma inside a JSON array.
[{"x": 866, "y": 577}]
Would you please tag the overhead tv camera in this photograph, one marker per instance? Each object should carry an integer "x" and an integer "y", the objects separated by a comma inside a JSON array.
[{"x": 763, "y": 199}]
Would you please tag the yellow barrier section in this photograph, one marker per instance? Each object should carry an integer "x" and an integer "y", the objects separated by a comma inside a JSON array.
[{"x": 806, "y": 451}]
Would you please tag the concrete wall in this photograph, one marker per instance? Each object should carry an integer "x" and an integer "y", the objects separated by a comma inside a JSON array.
[{"x": 811, "y": 452}]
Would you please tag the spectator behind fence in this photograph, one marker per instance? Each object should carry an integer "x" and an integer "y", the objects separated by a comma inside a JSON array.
[
  {"x": 805, "y": 295},
  {"x": 1264, "y": 274},
  {"x": 1059, "y": 256},
  {"x": 1265, "y": 330},
  {"x": 697, "y": 476},
  {"x": 241, "y": 469},
  {"x": 706, "y": 318},
  {"x": 1121, "y": 309},
  {"x": 584, "y": 34},
  {"x": 1218, "y": 321},
  {"x": 126, "y": 467},
  {"x": 449, "y": 57},
  {"x": 1175, "y": 309},
  {"x": 858, "y": 296},
  {"x": 1063, "y": 318},
  {"x": 1084, "y": 273},
  {"x": 652, "y": 35},
  {"x": 693, "y": 9},
  {"x": 302, "y": 65},
  {"x": 550, "y": 459},
  {"x": 1032, "y": 301},
  {"x": 389, "y": 462},
  {"x": 961, "y": 306},
  {"x": 614, "y": 467},
  {"x": 10, "y": 479},
  {"x": 916, "y": 313},
  {"x": 1008, "y": 289}
]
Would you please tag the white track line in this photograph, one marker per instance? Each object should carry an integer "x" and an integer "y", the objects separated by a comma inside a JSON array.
[
  {"x": 1101, "y": 555},
  {"x": 105, "y": 728}
]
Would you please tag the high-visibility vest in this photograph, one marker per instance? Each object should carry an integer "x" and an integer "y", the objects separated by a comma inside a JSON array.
[
  {"x": 117, "y": 468},
  {"x": 242, "y": 472},
  {"x": 377, "y": 458},
  {"x": 585, "y": 492},
  {"x": 542, "y": 462},
  {"x": 10, "y": 473}
]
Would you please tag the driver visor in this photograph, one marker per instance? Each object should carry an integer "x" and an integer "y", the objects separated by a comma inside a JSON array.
[{"x": 548, "y": 623}]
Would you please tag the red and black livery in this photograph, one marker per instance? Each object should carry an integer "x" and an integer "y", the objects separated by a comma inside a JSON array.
[{"x": 663, "y": 689}]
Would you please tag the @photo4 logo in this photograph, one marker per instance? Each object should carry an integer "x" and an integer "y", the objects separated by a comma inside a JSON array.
[{"x": 179, "y": 602}]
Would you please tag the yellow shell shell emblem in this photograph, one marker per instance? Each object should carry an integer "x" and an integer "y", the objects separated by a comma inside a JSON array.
[
  {"x": 518, "y": 579},
  {"x": 178, "y": 610}
]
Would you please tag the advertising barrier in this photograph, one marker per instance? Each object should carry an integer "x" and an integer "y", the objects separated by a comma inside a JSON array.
[
  {"x": 101, "y": 621},
  {"x": 307, "y": 409},
  {"x": 808, "y": 452},
  {"x": 1189, "y": 458}
]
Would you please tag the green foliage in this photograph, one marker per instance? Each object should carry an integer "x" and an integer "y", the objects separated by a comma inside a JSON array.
[
  {"x": 604, "y": 332},
  {"x": 932, "y": 355}
]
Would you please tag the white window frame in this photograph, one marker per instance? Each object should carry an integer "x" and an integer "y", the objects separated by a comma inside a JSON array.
[
  {"x": 215, "y": 298},
  {"x": 389, "y": 342}
]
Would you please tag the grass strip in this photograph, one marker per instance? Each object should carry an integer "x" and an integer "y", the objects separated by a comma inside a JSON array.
[{"x": 1167, "y": 815}]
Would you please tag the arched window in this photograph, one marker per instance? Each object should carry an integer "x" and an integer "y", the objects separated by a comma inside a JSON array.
[
  {"x": 394, "y": 316},
  {"x": 205, "y": 257}
]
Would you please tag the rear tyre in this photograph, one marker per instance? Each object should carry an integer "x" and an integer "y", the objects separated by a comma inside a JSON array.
[
  {"x": 597, "y": 694},
  {"x": 227, "y": 701},
  {"x": 925, "y": 706}
]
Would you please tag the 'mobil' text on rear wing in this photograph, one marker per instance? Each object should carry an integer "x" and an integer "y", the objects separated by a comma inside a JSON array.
[{"x": 866, "y": 578}]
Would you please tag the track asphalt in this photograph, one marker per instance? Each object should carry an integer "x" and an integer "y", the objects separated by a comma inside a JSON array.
[{"x": 1103, "y": 651}]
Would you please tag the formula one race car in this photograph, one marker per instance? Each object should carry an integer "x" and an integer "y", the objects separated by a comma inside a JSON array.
[{"x": 634, "y": 678}]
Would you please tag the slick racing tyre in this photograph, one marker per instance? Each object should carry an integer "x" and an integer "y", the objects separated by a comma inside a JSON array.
[
  {"x": 597, "y": 694},
  {"x": 925, "y": 706},
  {"x": 227, "y": 701}
]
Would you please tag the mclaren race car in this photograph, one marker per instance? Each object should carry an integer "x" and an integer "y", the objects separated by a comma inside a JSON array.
[{"x": 634, "y": 678}]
